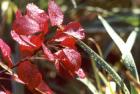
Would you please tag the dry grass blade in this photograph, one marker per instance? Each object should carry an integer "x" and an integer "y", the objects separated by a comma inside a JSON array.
[
  {"x": 131, "y": 39},
  {"x": 74, "y": 3},
  {"x": 127, "y": 57},
  {"x": 105, "y": 66}
]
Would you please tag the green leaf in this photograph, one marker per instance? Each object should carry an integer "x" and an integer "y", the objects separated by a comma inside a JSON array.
[
  {"x": 131, "y": 39},
  {"x": 96, "y": 74},
  {"x": 105, "y": 66},
  {"x": 87, "y": 82},
  {"x": 126, "y": 54},
  {"x": 133, "y": 20},
  {"x": 133, "y": 90}
]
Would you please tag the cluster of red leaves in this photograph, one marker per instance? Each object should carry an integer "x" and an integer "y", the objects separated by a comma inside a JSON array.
[
  {"x": 6, "y": 53},
  {"x": 29, "y": 32}
]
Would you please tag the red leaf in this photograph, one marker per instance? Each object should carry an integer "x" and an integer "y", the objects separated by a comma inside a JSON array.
[
  {"x": 55, "y": 13},
  {"x": 26, "y": 51},
  {"x": 69, "y": 42},
  {"x": 37, "y": 40},
  {"x": 5, "y": 92},
  {"x": 70, "y": 59},
  {"x": 17, "y": 38},
  {"x": 24, "y": 40},
  {"x": 6, "y": 53},
  {"x": 18, "y": 14},
  {"x": 48, "y": 53},
  {"x": 63, "y": 71},
  {"x": 44, "y": 88},
  {"x": 80, "y": 73},
  {"x": 2, "y": 92},
  {"x": 40, "y": 16},
  {"x": 25, "y": 26},
  {"x": 74, "y": 29},
  {"x": 73, "y": 57},
  {"x": 29, "y": 74},
  {"x": 26, "y": 48},
  {"x": 27, "y": 40},
  {"x": 60, "y": 37},
  {"x": 64, "y": 39},
  {"x": 33, "y": 10}
]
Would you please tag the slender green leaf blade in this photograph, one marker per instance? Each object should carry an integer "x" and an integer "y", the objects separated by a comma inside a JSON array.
[
  {"x": 105, "y": 66},
  {"x": 126, "y": 54},
  {"x": 131, "y": 39},
  {"x": 87, "y": 82}
]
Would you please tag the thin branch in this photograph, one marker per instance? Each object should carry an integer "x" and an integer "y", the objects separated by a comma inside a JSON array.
[{"x": 10, "y": 71}]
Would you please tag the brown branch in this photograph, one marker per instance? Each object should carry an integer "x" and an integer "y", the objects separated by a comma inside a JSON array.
[
  {"x": 27, "y": 58},
  {"x": 10, "y": 71}
]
